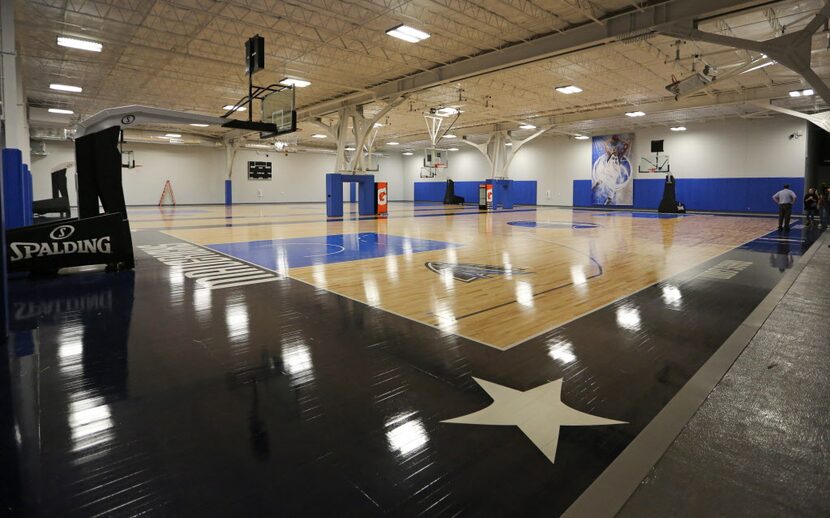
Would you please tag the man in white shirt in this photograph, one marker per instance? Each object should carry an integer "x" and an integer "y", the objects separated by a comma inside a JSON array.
[{"x": 785, "y": 199}]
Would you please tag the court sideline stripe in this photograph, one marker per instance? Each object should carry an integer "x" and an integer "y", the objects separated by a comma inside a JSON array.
[
  {"x": 287, "y": 276},
  {"x": 609, "y": 492}
]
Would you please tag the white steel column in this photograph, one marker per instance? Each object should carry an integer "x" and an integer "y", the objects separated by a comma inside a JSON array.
[
  {"x": 499, "y": 155},
  {"x": 15, "y": 126}
]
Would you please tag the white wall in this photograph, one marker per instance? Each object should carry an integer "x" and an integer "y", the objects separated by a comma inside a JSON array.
[
  {"x": 721, "y": 149},
  {"x": 198, "y": 174},
  {"x": 194, "y": 172},
  {"x": 301, "y": 177}
]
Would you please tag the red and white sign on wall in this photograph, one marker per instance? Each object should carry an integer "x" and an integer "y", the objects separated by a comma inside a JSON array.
[
  {"x": 490, "y": 196},
  {"x": 382, "y": 202}
]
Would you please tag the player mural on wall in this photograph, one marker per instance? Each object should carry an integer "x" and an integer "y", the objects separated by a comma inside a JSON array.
[{"x": 611, "y": 174}]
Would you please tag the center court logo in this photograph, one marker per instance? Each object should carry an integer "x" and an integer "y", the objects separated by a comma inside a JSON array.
[
  {"x": 468, "y": 272},
  {"x": 62, "y": 232}
]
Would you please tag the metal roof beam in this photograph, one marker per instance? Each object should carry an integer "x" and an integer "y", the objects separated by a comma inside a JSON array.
[{"x": 633, "y": 22}]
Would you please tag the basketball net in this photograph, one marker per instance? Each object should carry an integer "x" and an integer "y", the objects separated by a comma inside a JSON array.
[{"x": 168, "y": 193}]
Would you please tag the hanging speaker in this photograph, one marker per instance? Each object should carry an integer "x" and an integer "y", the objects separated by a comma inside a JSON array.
[{"x": 255, "y": 54}]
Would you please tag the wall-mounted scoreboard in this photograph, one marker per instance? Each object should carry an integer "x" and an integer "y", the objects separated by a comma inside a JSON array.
[{"x": 259, "y": 170}]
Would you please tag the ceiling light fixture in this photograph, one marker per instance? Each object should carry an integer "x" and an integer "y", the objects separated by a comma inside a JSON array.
[
  {"x": 407, "y": 33},
  {"x": 568, "y": 90},
  {"x": 635, "y": 114},
  {"x": 449, "y": 135},
  {"x": 318, "y": 135},
  {"x": 508, "y": 144},
  {"x": 392, "y": 143},
  {"x": 802, "y": 93},
  {"x": 236, "y": 109},
  {"x": 293, "y": 81},
  {"x": 173, "y": 135},
  {"x": 762, "y": 65},
  {"x": 377, "y": 125},
  {"x": 407, "y": 153},
  {"x": 446, "y": 111},
  {"x": 349, "y": 148},
  {"x": 198, "y": 125},
  {"x": 61, "y": 111},
  {"x": 453, "y": 149},
  {"x": 66, "y": 88},
  {"x": 74, "y": 43},
  {"x": 581, "y": 137},
  {"x": 527, "y": 126},
  {"x": 678, "y": 128}
]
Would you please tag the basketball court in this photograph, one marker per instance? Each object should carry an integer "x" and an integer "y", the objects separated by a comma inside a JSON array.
[{"x": 491, "y": 259}]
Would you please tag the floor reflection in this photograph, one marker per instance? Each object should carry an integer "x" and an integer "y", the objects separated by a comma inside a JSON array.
[{"x": 78, "y": 326}]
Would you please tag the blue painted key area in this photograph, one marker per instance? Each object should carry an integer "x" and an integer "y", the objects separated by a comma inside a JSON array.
[
  {"x": 523, "y": 192},
  {"x": 282, "y": 254},
  {"x": 713, "y": 194}
]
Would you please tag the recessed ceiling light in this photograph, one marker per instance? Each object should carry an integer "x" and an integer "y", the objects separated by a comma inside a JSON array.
[
  {"x": 408, "y": 153},
  {"x": 449, "y": 135},
  {"x": 446, "y": 111},
  {"x": 678, "y": 128},
  {"x": 453, "y": 149},
  {"x": 349, "y": 148},
  {"x": 795, "y": 93},
  {"x": 527, "y": 126},
  {"x": 293, "y": 81},
  {"x": 807, "y": 92},
  {"x": 61, "y": 111},
  {"x": 173, "y": 135},
  {"x": 508, "y": 144},
  {"x": 199, "y": 125},
  {"x": 571, "y": 89},
  {"x": 392, "y": 143},
  {"x": 377, "y": 125},
  {"x": 318, "y": 135},
  {"x": 74, "y": 43},
  {"x": 237, "y": 109},
  {"x": 407, "y": 33},
  {"x": 66, "y": 88},
  {"x": 581, "y": 137},
  {"x": 635, "y": 114}
]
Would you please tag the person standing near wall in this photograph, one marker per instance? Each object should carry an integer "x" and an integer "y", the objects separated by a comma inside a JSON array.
[
  {"x": 824, "y": 205},
  {"x": 811, "y": 206},
  {"x": 785, "y": 199}
]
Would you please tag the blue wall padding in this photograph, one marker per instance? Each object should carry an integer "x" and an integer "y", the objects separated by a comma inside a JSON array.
[
  {"x": 28, "y": 199},
  {"x": 582, "y": 193},
  {"x": 365, "y": 193},
  {"x": 4, "y": 291},
  {"x": 228, "y": 192},
  {"x": 503, "y": 193},
  {"x": 14, "y": 189},
  {"x": 714, "y": 194},
  {"x": 523, "y": 191}
]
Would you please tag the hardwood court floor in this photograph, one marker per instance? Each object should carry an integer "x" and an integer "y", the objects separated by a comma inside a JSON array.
[{"x": 545, "y": 266}]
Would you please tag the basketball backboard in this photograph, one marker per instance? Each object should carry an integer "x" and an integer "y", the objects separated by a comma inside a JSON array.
[
  {"x": 655, "y": 163},
  {"x": 278, "y": 108},
  {"x": 436, "y": 158}
]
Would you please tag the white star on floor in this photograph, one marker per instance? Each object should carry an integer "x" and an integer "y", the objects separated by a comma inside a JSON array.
[{"x": 538, "y": 412}]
